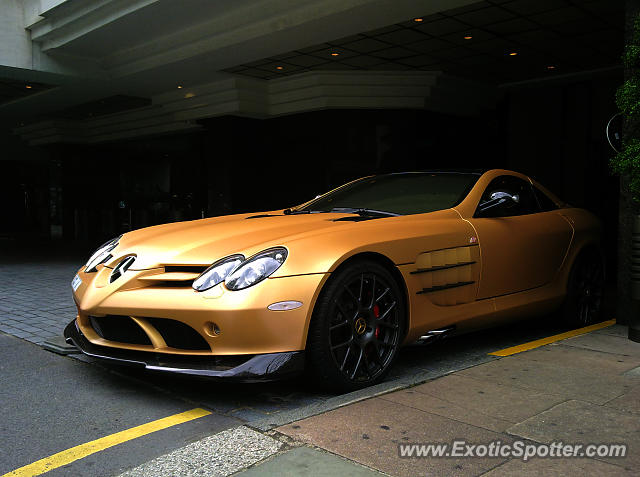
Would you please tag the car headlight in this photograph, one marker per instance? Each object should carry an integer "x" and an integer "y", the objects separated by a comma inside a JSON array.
[
  {"x": 101, "y": 255},
  {"x": 256, "y": 268},
  {"x": 217, "y": 272}
]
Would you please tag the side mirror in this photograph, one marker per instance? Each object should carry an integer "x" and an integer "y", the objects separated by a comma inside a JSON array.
[{"x": 498, "y": 200}]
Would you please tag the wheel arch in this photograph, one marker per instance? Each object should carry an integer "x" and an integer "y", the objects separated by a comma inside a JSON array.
[
  {"x": 570, "y": 311},
  {"x": 591, "y": 247},
  {"x": 389, "y": 265}
]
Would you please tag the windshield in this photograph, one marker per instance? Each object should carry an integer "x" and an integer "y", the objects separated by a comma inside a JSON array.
[{"x": 409, "y": 193}]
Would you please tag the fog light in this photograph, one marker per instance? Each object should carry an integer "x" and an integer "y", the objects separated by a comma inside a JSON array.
[
  {"x": 285, "y": 305},
  {"x": 212, "y": 329}
]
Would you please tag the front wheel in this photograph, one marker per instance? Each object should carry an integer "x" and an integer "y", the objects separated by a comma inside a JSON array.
[
  {"x": 356, "y": 328},
  {"x": 583, "y": 303}
]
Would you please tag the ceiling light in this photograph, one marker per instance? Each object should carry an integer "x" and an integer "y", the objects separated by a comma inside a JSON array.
[
  {"x": 513, "y": 53},
  {"x": 334, "y": 54},
  {"x": 468, "y": 37},
  {"x": 418, "y": 20},
  {"x": 279, "y": 67},
  {"x": 551, "y": 67},
  {"x": 179, "y": 86},
  {"x": 28, "y": 86}
]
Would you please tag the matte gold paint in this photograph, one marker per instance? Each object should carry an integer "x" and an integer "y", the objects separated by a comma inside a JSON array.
[{"x": 514, "y": 266}]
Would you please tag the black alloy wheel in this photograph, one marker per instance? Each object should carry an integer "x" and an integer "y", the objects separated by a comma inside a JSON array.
[
  {"x": 583, "y": 303},
  {"x": 357, "y": 327}
]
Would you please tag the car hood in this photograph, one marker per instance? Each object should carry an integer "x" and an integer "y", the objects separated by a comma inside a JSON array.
[{"x": 202, "y": 242}]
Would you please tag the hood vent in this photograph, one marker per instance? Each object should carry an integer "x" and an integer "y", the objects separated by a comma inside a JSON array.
[
  {"x": 260, "y": 216},
  {"x": 355, "y": 218}
]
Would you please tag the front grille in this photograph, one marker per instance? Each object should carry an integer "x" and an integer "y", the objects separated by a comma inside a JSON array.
[
  {"x": 119, "y": 328},
  {"x": 172, "y": 283},
  {"x": 176, "y": 276},
  {"x": 185, "y": 268},
  {"x": 179, "y": 335}
]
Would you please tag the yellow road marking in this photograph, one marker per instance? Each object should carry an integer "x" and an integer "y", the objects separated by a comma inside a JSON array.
[
  {"x": 83, "y": 450},
  {"x": 551, "y": 339}
]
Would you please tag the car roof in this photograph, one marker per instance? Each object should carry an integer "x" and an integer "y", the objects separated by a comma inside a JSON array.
[{"x": 475, "y": 172}]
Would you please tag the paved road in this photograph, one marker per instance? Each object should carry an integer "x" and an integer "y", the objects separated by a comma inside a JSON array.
[{"x": 52, "y": 402}]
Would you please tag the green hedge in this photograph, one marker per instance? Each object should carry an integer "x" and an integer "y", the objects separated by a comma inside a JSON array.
[{"x": 627, "y": 161}]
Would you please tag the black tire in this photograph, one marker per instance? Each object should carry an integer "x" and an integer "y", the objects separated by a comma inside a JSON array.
[
  {"x": 356, "y": 328},
  {"x": 585, "y": 287}
]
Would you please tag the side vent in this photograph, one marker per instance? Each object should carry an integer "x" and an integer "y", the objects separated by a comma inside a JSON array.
[
  {"x": 444, "y": 287},
  {"x": 449, "y": 276}
]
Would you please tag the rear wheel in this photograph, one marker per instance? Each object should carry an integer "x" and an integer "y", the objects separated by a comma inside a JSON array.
[
  {"x": 583, "y": 303},
  {"x": 357, "y": 327}
]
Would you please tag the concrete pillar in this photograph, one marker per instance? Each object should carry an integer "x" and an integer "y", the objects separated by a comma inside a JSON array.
[{"x": 15, "y": 43}]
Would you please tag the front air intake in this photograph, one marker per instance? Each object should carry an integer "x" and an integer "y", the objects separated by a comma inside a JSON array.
[
  {"x": 123, "y": 329},
  {"x": 119, "y": 328},
  {"x": 179, "y": 335}
]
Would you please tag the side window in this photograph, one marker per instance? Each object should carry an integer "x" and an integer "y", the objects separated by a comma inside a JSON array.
[
  {"x": 526, "y": 201},
  {"x": 546, "y": 204}
]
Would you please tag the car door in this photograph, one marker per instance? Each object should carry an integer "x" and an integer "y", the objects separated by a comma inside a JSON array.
[{"x": 522, "y": 245}]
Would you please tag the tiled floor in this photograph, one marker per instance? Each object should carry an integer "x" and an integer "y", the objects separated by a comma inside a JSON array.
[{"x": 35, "y": 299}]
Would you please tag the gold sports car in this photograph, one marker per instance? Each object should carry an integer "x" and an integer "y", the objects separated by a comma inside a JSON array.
[{"x": 336, "y": 285}]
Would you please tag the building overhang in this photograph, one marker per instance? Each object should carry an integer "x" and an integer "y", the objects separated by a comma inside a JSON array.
[
  {"x": 265, "y": 58},
  {"x": 180, "y": 110}
]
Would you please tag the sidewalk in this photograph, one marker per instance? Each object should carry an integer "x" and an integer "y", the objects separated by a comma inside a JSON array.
[{"x": 582, "y": 390}]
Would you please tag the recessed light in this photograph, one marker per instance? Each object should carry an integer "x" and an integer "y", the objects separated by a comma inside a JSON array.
[
  {"x": 551, "y": 67},
  {"x": 418, "y": 20},
  {"x": 513, "y": 53},
  {"x": 179, "y": 86},
  {"x": 28, "y": 86},
  {"x": 279, "y": 67},
  {"x": 468, "y": 37},
  {"x": 334, "y": 54}
]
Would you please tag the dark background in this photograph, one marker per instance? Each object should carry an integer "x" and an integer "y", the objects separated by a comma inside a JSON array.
[{"x": 86, "y": 194}]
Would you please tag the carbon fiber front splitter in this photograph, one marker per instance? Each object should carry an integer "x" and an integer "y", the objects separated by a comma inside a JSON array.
[{"x": 261, "y": 367}]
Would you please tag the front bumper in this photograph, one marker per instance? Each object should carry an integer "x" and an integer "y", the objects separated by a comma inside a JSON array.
[
  {"x": 261, "y": 367},
  {"x": 231, "y": 322}
]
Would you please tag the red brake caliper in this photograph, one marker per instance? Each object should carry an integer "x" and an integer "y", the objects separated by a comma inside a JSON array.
[{"x": 376, "y": 313}]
